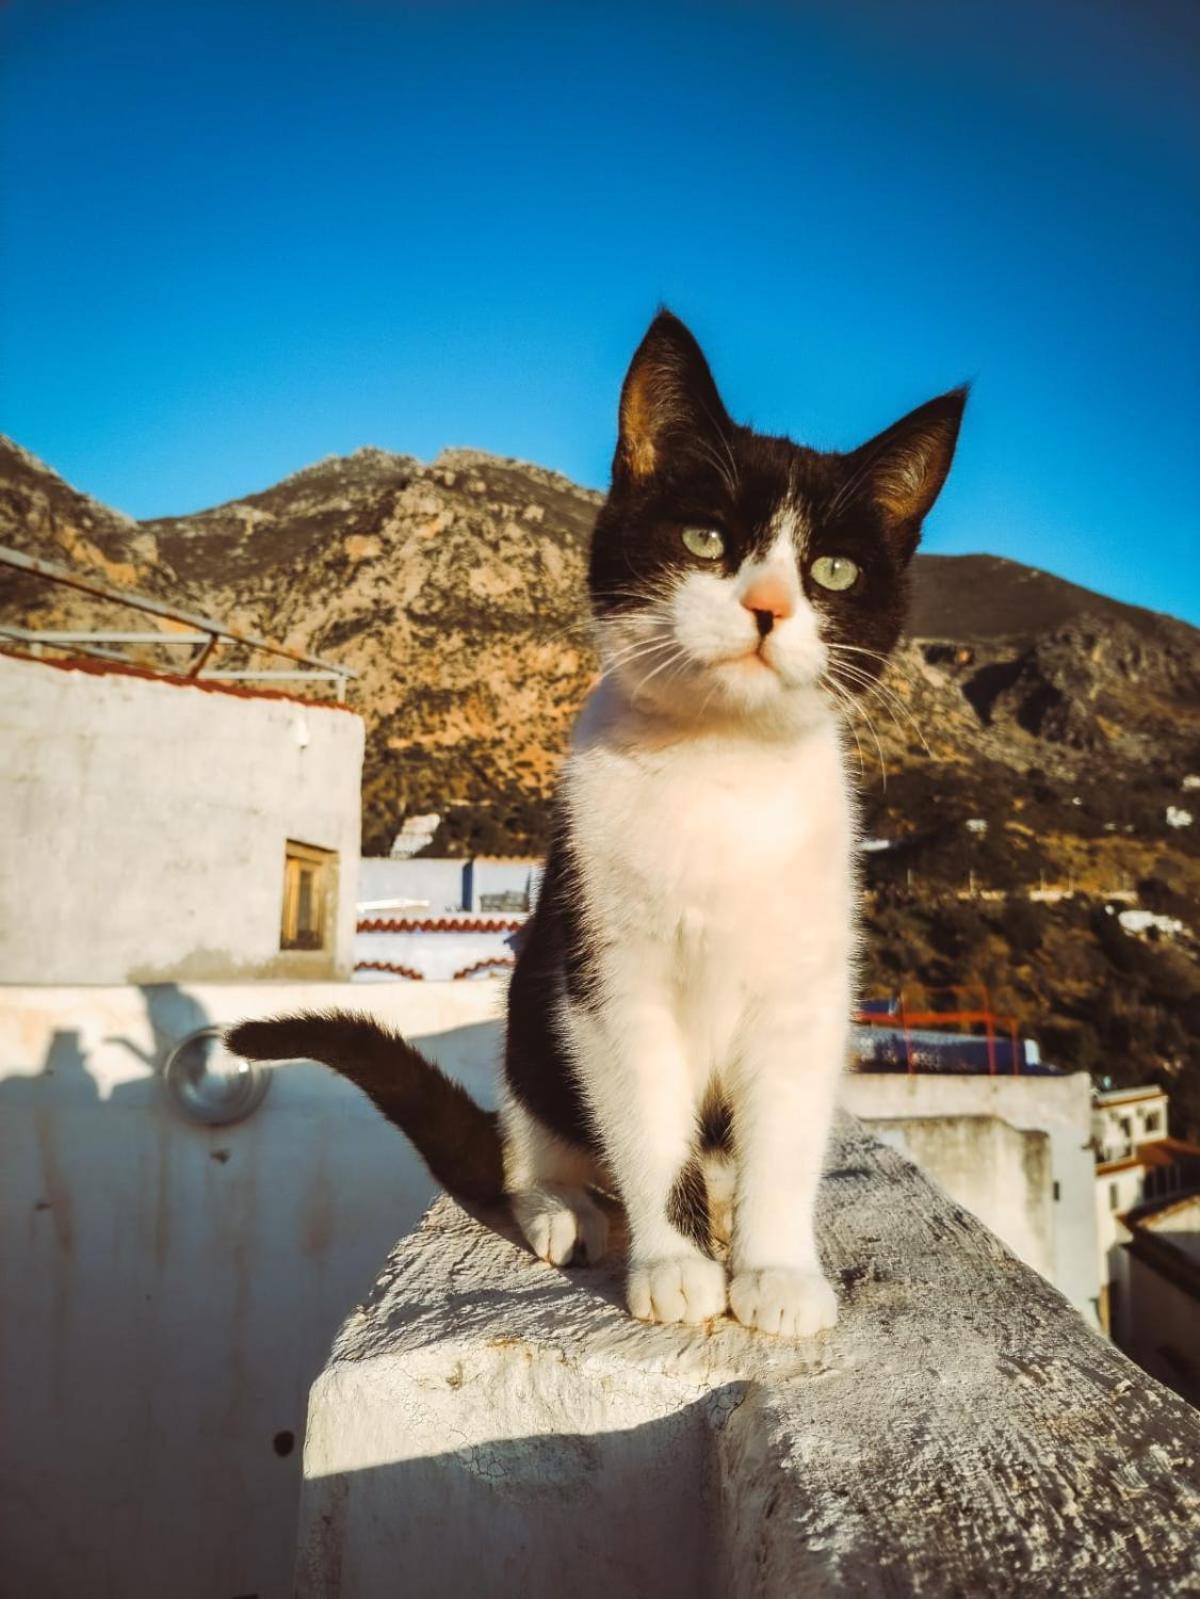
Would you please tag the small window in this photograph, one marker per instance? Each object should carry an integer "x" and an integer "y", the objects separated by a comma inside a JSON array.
[
  {"x": 510, "y": 900},
  {"x": 307, "y": 879},
  {"x": 1154, "y": 1121},
  {"x": 1126, "y": 1127},
  {"x": 1114, "y": 1197}
]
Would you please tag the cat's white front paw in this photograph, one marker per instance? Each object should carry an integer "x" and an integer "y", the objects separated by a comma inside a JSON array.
[
  {"x": 684, "y": 1288},
  {"x": 562, "y": 1225},
  {"x": 795, "y": 1304}
]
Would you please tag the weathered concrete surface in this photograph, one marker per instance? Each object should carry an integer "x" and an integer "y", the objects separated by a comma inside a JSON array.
[
  {"x": 489, "y": 1425},
  {"x": 1001, "y": 1174},
  {"x": 153, "y": 819},
  {"x": 1025, "y": 1197}
]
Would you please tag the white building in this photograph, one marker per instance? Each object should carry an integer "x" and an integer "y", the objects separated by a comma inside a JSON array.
[
  {"x": 1138, "y": 1166},
  {"x": 438, "y": 919},
  {"x": 159, "y": 830},
  {"x": 435, "y": 885},
  {"x": 1125, "y": 1117}
]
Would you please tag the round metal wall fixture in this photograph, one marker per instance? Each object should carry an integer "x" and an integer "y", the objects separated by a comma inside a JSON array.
[{"x": 208, "y": 1085}]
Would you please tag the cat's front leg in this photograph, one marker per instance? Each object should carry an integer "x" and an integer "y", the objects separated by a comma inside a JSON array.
[
  {"x": 784, "y": 1097},
  {"x": 642, "y": 1097}
]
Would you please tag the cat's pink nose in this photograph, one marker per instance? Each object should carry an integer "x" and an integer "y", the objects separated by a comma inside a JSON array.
[{"x": 770, "y": 599}]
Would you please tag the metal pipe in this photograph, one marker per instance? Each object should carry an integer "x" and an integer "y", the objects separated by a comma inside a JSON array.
[
  {"x": 64, "y": 575},
  {"x": 50, "y": 635}
]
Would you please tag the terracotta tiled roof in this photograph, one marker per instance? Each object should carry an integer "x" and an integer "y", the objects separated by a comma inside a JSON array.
[
  {"x": 87, "y": 663},
  {"x": 441, "y": 924},
  {"x": 390, "y": 966},
  {"x": 485, "y": 966},
  {"x": 1167, "y": 1152},
  {"x": 1158, "y": 1152}
]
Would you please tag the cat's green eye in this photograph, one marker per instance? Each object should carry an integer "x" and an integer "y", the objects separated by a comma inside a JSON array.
[
  {"x": 704, "y": 542},
  {"x": 835, "y": 572}
]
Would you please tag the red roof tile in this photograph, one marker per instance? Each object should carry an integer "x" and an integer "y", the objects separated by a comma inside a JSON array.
[{"x": 88, "y": 663}]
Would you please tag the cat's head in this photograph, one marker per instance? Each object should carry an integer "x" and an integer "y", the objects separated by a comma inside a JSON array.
[{"x": 737, "y": 575}]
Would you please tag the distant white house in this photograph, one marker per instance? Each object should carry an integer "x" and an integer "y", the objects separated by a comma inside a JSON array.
[
  {"x": 435, "y": 919},
  {"x": 1139, "y": 1168},
  {"x": 1122, "y": 1118}
]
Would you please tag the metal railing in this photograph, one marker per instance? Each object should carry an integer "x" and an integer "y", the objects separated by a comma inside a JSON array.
[
  {"x": 968, "y": 1022},
  {"x": 204, "y": 637}
]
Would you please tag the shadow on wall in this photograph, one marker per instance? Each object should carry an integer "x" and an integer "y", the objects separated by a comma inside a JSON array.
[
  {"x": 169, "y": 1293},
  {"x": 683, "y": 1507},
  {"x": 66, "y": 1086},
  {"x": 65, "y": 1078},
  {"x": 628, "y": 1511},
  {"x": 172, "y": 1014}
]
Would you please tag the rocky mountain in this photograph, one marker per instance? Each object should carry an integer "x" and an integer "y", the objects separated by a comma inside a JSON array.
[{"x": 1036, "y": 738}]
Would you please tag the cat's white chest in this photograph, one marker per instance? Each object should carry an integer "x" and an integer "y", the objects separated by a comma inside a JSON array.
[{"x": 716, "y": 847}]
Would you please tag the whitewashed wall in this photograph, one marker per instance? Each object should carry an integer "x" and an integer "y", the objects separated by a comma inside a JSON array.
[
  {"x": 440, "y": 956},
  {"x": 435, "y": 883},
  {"x": 168, "y": 1293},
  {"x": 145, "y": 824}
]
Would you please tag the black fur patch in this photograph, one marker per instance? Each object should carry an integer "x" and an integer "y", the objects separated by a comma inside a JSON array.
[
  {"x": 556, "y": 962},
  {"x": 687, "y": 1206},
  {"x": 716, "y": 1124},
  {"x": 458, "y": 1141}
]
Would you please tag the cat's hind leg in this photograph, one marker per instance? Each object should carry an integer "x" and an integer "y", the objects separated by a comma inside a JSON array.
[{"x": 547, "y": 1181}]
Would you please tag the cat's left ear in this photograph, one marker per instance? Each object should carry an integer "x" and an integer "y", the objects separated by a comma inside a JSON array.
[
  {"x": 669, "y": 403},
  {"x": 902, "y": 469}
]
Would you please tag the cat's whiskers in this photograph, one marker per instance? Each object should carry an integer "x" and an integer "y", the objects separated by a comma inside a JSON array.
[
  {"x": 856, "y": 707},
  {"x": 872, "y": 683},
  {"x": 887, "y": 697},
  {"x": 889, "y": 662},
  {"x": 585, "y": 627},
  {"x": 636, "y": 649},
  {"x": 857, "y": 681},
  {"x": 672, "y": 661},
  {"x": 893, "y": 662},
  {"x": 848, "y": 719}
]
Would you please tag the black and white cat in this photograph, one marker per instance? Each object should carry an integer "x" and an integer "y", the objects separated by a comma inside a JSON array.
[{"x": 678, "y": 1017}]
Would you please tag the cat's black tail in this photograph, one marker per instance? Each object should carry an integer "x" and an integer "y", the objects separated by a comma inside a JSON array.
[{"x": 455, "y": 1137}]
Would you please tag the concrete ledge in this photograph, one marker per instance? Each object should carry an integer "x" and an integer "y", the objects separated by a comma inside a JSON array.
[{"x": 488, "y": 1425}]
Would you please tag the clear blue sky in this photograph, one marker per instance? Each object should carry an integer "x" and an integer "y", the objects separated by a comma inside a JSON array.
[{"x": 240, "y": 236}]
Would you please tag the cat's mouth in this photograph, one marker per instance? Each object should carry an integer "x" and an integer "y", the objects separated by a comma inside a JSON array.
[{"x": 752, "y": 659}]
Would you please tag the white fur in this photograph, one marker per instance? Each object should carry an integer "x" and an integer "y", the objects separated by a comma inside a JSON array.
[{"x": 712, "y": 827}]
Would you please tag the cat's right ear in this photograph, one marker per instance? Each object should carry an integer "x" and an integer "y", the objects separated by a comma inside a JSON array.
[{"x": 668, "y": 399}]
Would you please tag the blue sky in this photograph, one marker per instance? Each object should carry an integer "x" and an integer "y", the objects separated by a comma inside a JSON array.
[{"x": 237, "y": 237}]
